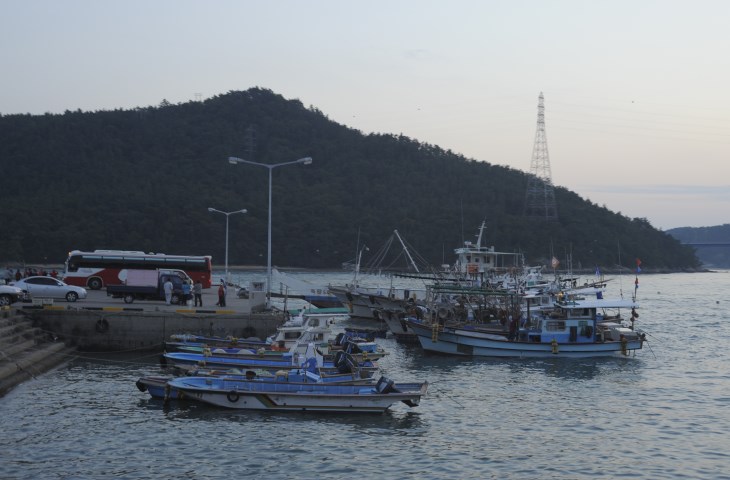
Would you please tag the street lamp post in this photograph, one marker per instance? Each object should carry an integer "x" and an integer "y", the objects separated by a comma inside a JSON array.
[
  {"x": 227, "y": 214},
  {"x": 236, "y": 160}
]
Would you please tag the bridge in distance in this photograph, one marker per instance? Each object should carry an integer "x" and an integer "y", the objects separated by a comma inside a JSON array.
[{"x": 707, "y": 244}]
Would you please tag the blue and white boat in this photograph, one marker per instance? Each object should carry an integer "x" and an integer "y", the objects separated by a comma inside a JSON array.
[
  {"x": 572, "y": 328},
  {"x": 307, "y": 397},
  {"x": 157, "y": 385},
  {"x": 341, "y": 363}
]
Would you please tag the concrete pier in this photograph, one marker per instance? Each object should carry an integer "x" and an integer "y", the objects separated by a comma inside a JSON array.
[{"x": 40, "y": 335}]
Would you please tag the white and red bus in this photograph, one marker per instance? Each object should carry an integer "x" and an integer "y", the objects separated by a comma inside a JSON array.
[{"x": 103, "y": 267}]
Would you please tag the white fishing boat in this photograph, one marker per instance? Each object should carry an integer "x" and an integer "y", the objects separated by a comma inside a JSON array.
[{"x": 316, "y": 323}]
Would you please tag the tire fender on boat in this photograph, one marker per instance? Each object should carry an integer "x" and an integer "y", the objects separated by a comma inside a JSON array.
[
  {"x": 232, "y": 396},
  {"x": 445, "y": 312},
  {"x": 102, "y": 325}
]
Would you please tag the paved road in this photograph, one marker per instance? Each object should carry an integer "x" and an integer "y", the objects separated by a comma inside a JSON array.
[{"x": 99, "y": 299}]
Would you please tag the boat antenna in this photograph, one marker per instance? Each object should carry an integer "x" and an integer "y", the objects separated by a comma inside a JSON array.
[
  {"x": 620, "y": 276},
  {"x": 461, "y": 206},
  {"x": 636, "y": 279}
]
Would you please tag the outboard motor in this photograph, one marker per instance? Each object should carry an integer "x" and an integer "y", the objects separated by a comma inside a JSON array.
[{"x": 385, "y": 385}]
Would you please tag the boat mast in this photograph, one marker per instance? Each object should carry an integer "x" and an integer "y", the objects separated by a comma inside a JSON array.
[
  {"x": 481, "y": 229},
  {"x": 357, "y": 264},
  {"x": 408, "y": 254}
]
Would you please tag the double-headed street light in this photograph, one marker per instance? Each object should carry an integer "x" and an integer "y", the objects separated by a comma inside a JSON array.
[
  {"x": 235, "y": 160},
  {"x": 227, "y": 214}
]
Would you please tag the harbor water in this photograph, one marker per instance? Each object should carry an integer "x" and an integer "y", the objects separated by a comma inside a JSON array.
[{"x": 663, "y": 413}]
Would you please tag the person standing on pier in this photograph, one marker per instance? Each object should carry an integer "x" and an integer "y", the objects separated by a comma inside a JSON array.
[
  {"x": 222, "y": 294},
  {"x": 186, "y": 292},
  {"x": 198, "y": 293},
  {"x": 167, "y": 286}
]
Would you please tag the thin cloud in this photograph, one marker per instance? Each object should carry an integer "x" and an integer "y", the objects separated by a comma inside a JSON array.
[
  {"x": 417, "y": 54},
  {"x": 712, "y": 190}
]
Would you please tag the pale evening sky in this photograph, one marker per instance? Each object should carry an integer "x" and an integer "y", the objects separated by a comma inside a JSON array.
[{"x": 637, "y": 93}]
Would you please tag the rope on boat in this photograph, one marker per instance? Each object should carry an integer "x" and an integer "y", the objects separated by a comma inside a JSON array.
[
  {"x": 446, "y": 395},
  {"x": 650, "y": 349}
]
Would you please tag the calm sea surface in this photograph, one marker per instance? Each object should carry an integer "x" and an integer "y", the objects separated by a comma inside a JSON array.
[{"x": 663, "y": 413}]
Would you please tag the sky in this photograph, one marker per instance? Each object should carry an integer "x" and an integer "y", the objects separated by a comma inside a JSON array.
[{"x": 637, "y": 101}]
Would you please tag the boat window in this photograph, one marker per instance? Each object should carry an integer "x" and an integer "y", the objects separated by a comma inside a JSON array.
[{"x": 555, "y": 326}]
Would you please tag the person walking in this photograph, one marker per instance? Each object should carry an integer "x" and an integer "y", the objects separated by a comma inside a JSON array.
[
  {"x": 198, "y": 293},
  {"x": 167, "y": 286}
]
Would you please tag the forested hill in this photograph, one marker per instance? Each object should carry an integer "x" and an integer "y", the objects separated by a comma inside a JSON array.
[{"x": 144, "y": 179}]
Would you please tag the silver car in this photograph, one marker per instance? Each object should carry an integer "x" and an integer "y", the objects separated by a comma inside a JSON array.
[
  {"x": 10, "y": 295},
  {"x": 50, "y": 287}
]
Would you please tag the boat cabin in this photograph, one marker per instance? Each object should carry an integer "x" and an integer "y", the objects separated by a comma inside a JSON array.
[{"x": 578, "y": 321}]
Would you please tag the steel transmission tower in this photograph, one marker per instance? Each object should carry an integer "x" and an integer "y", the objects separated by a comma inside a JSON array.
[{"x": 540, "y": 199}]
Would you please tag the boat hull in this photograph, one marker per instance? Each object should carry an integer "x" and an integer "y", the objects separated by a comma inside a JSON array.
[
  {"x": 156, "y": 387},
  {"x": 399, "y": 328},
  {"x": 301, "y": 398},
  {"x": 356, "y": 304}
]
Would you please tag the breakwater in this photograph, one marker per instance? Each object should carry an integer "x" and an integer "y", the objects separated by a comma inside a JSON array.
[{"x": 116, "y": 329}]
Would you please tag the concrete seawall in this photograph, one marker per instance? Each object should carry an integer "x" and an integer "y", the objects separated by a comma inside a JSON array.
[
  {"x": 110, "y": 330},
  {"x": 102, "y": 323}
]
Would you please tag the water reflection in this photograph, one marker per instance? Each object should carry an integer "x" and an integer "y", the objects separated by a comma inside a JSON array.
[
  {"x": 577, "y": 369},
  {"x": 395, "y": 421},
  {"x": 437, "y": 367}
]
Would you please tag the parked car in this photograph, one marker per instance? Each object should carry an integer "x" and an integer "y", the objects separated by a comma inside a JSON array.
[
  {"x": 10, "y": 294},
  {"x": 51, "y": 288}
]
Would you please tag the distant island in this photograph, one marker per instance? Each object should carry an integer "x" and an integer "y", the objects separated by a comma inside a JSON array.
[{"x": 712, "y": 244}]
